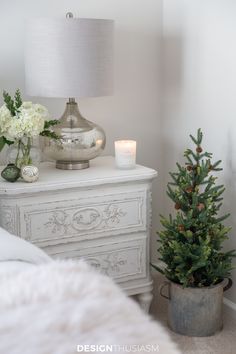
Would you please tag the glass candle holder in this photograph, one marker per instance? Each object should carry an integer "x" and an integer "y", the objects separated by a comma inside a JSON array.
[{"x": 125, "y": 154}]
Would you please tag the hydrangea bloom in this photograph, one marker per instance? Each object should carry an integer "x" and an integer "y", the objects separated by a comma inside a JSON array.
[
  {"x": 5, "y": 119},
  {"x": 20, "y": 122},
  {"x": 28, "y": 123}
]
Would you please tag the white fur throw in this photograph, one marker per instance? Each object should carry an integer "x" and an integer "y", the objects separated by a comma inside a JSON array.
[
  {"x": 13, "y": 248},
  {"x": 52, "y": 308}
]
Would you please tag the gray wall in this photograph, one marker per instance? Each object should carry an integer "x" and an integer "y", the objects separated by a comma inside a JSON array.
[
  {"x": 134, "y": 109},
  {"x": 199, "y": 89}
]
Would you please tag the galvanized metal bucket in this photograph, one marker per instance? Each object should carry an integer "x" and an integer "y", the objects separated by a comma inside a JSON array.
[{"x": 195, "y": 312}]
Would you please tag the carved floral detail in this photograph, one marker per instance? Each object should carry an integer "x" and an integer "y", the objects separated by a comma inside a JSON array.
[
  {"x": 59, "y": 222},
  {"x": 113, "y": 214},
  {"x": 109, "y": 264},
  {"x": 62, "y": 221},
  {"x": 8, "y": 219}
]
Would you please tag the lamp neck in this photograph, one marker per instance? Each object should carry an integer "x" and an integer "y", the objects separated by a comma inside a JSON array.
[
  {"x": 71, "y": 100},
  {"x": 72, "y": 109}
]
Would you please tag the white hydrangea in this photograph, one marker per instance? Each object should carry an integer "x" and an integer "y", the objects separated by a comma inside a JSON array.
[
  {"x": 29, "y": 121},
  {"x": 5, "y": 120}
]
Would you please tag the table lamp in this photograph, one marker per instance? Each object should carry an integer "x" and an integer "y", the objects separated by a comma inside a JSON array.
[{"x": 68, "y": 58}]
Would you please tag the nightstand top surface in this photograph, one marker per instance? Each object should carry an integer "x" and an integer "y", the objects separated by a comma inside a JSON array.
[{"x": 102, "y": 170}]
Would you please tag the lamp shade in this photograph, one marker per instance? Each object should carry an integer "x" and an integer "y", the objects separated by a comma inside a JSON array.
[{"x": 71, "y": 57}]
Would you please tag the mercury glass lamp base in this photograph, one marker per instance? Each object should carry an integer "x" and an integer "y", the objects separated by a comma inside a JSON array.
[
  {"x": 70, "y": 165},
  {"x": 79, "y": 140}
]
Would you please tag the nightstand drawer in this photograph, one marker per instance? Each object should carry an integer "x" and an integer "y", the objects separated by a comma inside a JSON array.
[
  {"x": 80, "y": 218},
  {"x": 121, "y": 261}
]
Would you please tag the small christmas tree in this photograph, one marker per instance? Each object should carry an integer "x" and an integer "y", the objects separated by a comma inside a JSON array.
[{"x": 191, "y": 243}]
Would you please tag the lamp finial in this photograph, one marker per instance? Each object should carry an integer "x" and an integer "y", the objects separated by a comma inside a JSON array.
[{"x": 69, "y": 15}]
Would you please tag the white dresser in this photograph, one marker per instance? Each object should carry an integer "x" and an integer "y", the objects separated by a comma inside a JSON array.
[{"x": 101, "y": 214}]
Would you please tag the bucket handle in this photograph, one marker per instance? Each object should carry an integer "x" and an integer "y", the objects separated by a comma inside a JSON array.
[
  {"x": 229, "y": 284},
  {"x": 162, "y": 286}
]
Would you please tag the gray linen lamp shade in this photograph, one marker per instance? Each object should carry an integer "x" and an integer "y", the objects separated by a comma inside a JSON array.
[{"x": 70, "y": 57}]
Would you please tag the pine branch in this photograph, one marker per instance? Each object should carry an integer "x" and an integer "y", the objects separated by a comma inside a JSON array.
[
  {"x": 191, "y": 242},
  {"x": 193, "y": 139},
  {"x": 222, "y": 218},
  {"x": 199, "y": 136},
  {"x": 173, "y": 177},
  {"x": 189, "y": 160},
  {"x": 217, "y": 163},
  {"x": 190, "y": 152}
]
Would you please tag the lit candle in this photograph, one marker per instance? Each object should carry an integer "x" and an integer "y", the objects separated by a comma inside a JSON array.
[{"x": 125, "y": 152}]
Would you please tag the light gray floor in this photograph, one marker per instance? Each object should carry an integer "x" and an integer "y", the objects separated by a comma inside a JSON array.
[{"x": 221, "y": 343}]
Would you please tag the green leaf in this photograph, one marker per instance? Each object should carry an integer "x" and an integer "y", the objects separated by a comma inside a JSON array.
[
  {"x": 9, "y": 103},
  {"x": 18, "y": 100},
  {"x": 50, "y": 134},
  {"x": 157, "y": 268},
  {"x": 2, "y": 142},
  {"x": 50, "y": 123}
]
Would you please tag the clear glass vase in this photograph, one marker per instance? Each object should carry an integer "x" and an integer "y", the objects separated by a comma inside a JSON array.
[{"x": 24, "y": 152}]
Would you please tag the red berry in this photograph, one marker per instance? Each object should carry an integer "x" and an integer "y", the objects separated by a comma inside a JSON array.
[
  {"x": 199, "y": 149},
  {"x": 200, "y": 206},
  {"x": 189, "y": 189}
]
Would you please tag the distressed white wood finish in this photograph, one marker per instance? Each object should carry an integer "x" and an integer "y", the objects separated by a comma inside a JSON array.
[{"x": 101, "y": 214}]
